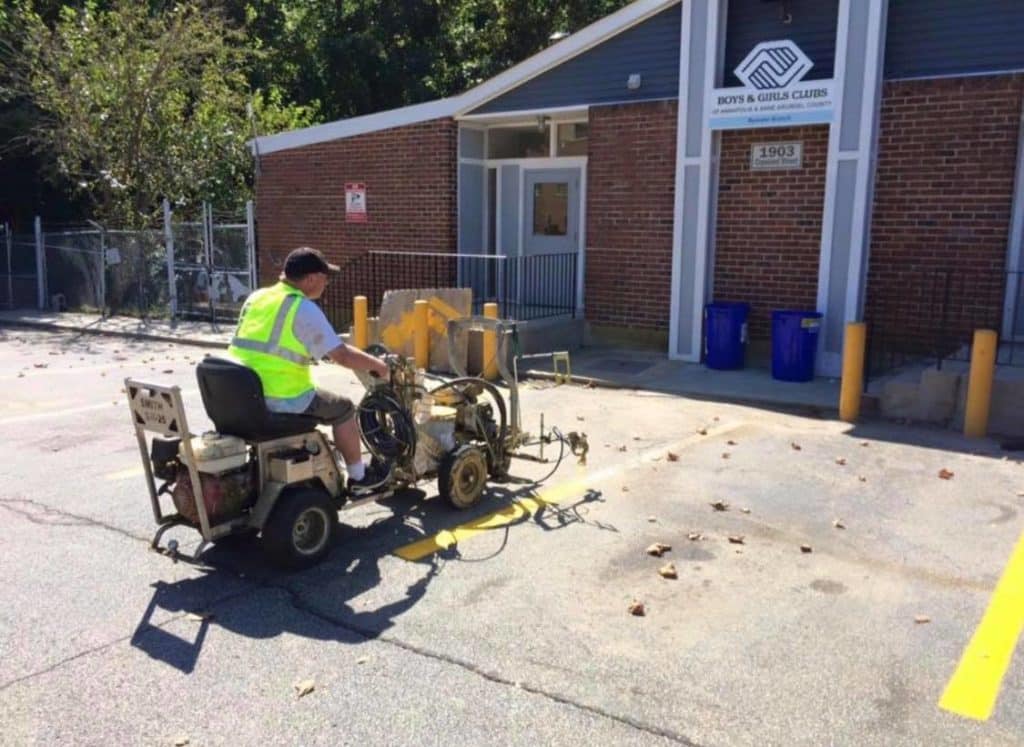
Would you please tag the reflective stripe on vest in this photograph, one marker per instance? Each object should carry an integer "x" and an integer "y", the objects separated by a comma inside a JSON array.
[{"x": 273, "y": 345}]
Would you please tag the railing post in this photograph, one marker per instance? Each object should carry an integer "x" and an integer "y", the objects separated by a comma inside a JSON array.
[
  {"x": 10, "y": 276},
  {"x": 40, "y": 265},
  {"x": 250, "y": 245},
  {"x": 172, "y": 286}
]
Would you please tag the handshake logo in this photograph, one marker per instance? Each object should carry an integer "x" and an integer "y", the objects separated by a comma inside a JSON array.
[{"x": 774, "y": 64}]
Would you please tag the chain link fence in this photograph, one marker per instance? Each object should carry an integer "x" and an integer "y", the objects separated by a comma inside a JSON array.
[{"x": 198, "y": 268}]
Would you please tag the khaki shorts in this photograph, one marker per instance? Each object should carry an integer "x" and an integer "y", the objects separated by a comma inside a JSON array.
[{"x": 330, "y": 408}]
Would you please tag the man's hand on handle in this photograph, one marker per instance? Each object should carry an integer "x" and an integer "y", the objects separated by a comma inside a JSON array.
[{"x": 357, "y": 360}]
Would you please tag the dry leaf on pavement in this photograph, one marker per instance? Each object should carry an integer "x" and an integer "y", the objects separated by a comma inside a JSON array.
[
  {"x": 730, "y": 442},
  {"x": 806, "y": 548},
  {"x": 702, "y": 431},
  {"x": 622, "y": 448},
  {"x": 838, "y": 524},
  {"x": 737, "y": 539},
  {"x": 865, "y": 443},
  {"x": 625, "y": 488},
  {"x": 841, "y": 461},
  {"x": 795, "y": 446},
  {"x": 694, "y": 536},
  {"x": 304, "y": 688},
  {"x": 672, "y": 456},
  {"x": 862, "y": 478},
  {"x": 720, "y": 506},
  {"x": 652, "y": 519},
  {"x": 922, "y": 619},
  {"x": 945, "y": 474},
  {"x": 40, "y": 365},
  {"x": 636, "y": 608},
  {"x": 197, "y": 616},
  {"x": 725, "y": 455},
  {"x": 181, "y": 741},
  {"x": 668, "y": 571},
  {"x": 745, "y": 510},
  {"x": 658, "y": 549}
]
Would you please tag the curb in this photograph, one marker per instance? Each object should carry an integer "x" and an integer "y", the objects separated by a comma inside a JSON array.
[{"x": 50, "y": 326}]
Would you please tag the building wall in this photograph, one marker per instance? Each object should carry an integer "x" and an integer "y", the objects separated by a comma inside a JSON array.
[
  {"x": 410, "y": 180},
  {"x": 946, "y": 164},
  {"x": 630, "y": 187},
  {"x": 769, "y": 225}
]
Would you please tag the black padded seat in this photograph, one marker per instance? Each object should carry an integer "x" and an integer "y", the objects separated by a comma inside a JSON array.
[{"x": 233, "y": 398}]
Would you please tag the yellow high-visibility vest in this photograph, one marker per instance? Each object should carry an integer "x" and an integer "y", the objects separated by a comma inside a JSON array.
[{"x": 265, "y": 341}]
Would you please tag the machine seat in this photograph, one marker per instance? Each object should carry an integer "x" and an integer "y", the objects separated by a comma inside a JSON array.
[{"x": 233, "y": 398}]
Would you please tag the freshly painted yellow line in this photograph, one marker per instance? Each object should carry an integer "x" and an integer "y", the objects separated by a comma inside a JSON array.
[
  {"x": 125, "y": 473},
  {"x": 975, "y": 685}
]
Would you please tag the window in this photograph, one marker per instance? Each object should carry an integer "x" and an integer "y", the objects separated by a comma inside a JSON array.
[
  {"x": 519, "y": 142},
  {"x": 572, "y": 139},
  {"x": 550, "y": 209}
]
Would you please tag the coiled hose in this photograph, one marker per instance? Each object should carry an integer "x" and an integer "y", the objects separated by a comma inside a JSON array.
[{"x": 387, "y": 429}]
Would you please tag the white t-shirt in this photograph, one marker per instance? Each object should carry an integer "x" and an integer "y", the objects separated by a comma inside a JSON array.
[{"x": 314, "y": 330}]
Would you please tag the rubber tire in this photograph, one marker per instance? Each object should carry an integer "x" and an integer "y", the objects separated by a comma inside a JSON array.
[
  {"x": 278, "y": 532},
  {"x": 464, "y": 457}
]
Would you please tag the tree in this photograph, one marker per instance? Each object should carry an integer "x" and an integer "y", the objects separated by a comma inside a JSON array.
[{"x": 134, "y": 105}]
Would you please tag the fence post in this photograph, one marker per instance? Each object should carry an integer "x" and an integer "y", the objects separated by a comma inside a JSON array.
[
  {"x": 172, "y": 287},
  {"x": 40, "y": 265},
  {"x": 250, "y": 244},
  {"x": 359, "y": 322},
  {"x": 421, "y": 334},
  {"x": 490, "y": 347},
  {"x": 979, "y": 385},
  {"x": 208, "y": 240},
  {"x": 10, "y": 276},
  {"x": 851, "y": 387}
]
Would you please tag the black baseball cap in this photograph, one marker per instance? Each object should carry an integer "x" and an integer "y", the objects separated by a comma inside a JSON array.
[{"x": 305, "y": 261}]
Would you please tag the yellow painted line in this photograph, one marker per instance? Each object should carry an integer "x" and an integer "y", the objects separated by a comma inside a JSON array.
[
  {"x": 510, "y": 514},
  {"x": 974, "y": 687},
  {"x": 125, "y": 473}
]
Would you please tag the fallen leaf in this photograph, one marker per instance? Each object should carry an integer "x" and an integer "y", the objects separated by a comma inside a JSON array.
[
  {"x": 838, "y": 524},
  {"x": 622, "y": 448},
  {"x": 672, "y": 456},
  {"x": 168, "y": 370},
  {"x": 716, "y": 418},
  {"x": 40, "y": 365},
  {"x": 652, "y": 519},
  {"x": 668, "y": 571},
  {"x": 922, "y": 619},
  {"x": 737, "y": 539},
  {"x": 862, "y": 478},
  {"x": 945, "y": 474},
  {"x": 795, "y": 446},
  {"x": 720, "y": 506},
  {"x": 636, "y": 608},
  {"x": 865, "y": 443},
  {"x": 304, "y": 688},
  {"x": 197, "y": 616},
  {"x": 695, "y": 536},
  {"x": 725, "y": 455},
  {"x": 637, "y": 438},
  {"x": 591, "y": 385},
  {"x": 730, "y": 442},
  {"x": 362, "y": 660},
  {"x": 702, "y": 431},
  {"x": 841, "y": 461},
  {"x": 745, "y": 510},
  {"x": 658, "y": 549},
  {"x": 181, "y": 741},
  {"x": 806, "y": 548},
  {"x": 21, "y": 376},
  {"x": 625, "y": 488}
]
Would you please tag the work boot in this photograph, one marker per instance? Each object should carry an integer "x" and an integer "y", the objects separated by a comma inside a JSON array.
[{"x": 377, "y": 475}]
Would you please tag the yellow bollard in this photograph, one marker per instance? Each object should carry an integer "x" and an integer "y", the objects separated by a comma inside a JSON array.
[
  {"x": 360, "y": 326},
  {"x": 490, "y": 351},
  {"x": 852, "y": 387},
  {"x": 421, "y": 334},
  {"x": 979, "y": 386}
]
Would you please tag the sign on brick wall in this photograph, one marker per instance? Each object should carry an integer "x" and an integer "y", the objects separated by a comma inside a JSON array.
[
  {"x": 355, "y": 202},
  {"x": 776, "y": 156},
  {"x": 774, "y": 93}
]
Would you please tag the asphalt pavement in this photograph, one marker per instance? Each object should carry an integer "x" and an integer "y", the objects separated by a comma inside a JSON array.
[{"x": 828, "y": 603}]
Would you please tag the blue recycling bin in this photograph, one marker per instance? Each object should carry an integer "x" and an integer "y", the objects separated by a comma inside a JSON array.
[
  {"x": 725, "y": 336},
  {"x": 794, "y": 344}
]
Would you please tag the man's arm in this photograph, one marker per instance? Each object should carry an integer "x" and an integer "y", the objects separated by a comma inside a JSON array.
[{"x": 356, "y": 359}]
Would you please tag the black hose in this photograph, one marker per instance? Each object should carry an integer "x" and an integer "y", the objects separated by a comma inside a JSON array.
[{"x": 387, "y": 429}]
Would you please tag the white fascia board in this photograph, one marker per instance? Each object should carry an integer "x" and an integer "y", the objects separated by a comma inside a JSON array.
[
  {"x": 556, "y": 54},
  {"x": 343, "y": 128},
  {"x": 557, "y": 114}
]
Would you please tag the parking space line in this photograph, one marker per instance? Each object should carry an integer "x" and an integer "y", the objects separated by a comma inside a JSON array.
[
  {"x": 975, "y": 686},
  {"x": 125, "y": 473}
]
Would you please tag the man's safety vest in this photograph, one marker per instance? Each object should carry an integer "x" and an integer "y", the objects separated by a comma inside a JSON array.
[{"x": 265, "y": 341}]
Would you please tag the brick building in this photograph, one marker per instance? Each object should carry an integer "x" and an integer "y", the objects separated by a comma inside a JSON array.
[{"x": 861, "y": 158}]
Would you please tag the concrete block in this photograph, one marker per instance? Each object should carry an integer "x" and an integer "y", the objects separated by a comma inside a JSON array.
[
  {"x": 395, "y": 326},
  {"x": 937, "y": 396}
]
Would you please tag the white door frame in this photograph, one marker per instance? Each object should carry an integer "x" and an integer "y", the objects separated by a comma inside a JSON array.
[{"x": 1015, "y": 249}]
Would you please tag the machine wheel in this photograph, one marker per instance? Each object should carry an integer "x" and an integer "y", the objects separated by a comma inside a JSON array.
[
  {"x": 300, "y": 528},
  {"x": 462, "y": 476}
]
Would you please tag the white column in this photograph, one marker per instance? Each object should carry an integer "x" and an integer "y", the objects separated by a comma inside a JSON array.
[
  {"x": 40, "y": 265},
  {"x": 850, "y": 173},
  {"x": 250, "y": 244},
  {"x": 172, "y": 287}
]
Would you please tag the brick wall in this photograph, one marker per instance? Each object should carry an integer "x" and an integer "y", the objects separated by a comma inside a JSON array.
[
  {"x": 943, "y": 194},
  {"x": 630, "y": 187},
  {"x": 410, "y": 180},
  {"x": 769, "y": 225}
]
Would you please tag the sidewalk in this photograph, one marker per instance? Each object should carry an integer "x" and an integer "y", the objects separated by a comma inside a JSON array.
[{"x": 619, "y": 368}]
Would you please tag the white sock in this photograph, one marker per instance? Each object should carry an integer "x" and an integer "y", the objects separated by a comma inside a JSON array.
[{"x": 356, "y": 471}]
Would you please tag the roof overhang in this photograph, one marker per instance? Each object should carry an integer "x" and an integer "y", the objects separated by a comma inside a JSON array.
[{"x": 461, "y": 106}]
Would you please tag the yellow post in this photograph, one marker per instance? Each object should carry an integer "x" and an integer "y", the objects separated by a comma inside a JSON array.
[
  {"x": 852, "y": 386},
  {"x": 979, "y": 386},
  {"x": 360, "y": 325},
  {"x": 421, "y": 334},
  {"x": 490, "y": 351}
]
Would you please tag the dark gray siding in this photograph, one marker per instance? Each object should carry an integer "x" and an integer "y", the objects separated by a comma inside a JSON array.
[
  {"x": 813, "y": 28},
  {"x": 598, "y": 76},
  {"x": 953, "y": 37}
]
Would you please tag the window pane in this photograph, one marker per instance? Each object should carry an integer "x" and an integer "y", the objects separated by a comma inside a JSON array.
[
  {"x": 519, "y": 142},
  {"x": 572, "y": 139},
  {"x": 550, "y": 209}
]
